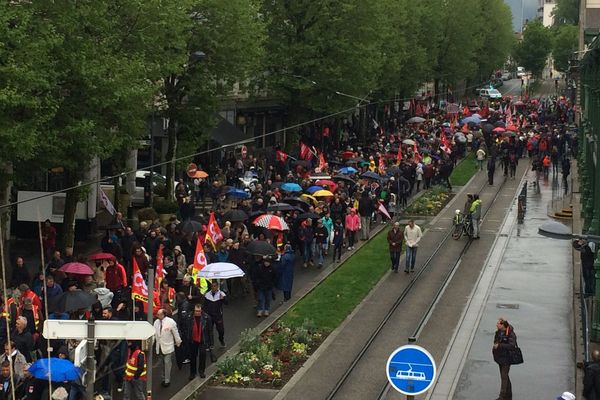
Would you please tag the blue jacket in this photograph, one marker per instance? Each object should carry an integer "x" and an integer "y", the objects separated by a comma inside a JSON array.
[{"x": 285, "y": 272}]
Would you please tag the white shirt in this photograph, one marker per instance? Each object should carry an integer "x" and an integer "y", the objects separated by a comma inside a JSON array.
[{"x": 412, "y": 236}]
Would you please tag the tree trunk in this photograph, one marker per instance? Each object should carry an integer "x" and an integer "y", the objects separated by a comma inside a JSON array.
[
  {"x": 68, "y": 229},
  {"x": 171, "y": 155},
  {"x": 436, "y": 90},
  {"x": 6, "y": 172}
]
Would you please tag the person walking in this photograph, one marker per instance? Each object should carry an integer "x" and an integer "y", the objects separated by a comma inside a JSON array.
[
  {"x": 591, "y": 378},
  {"x": 285, "y": 272},
  {"x": 166, "y": 338},
  {"x": 214, "y": 300},
  {"x": 587, "y": 250},
  {"x": 412, "y": 236},
  {"x": 306, "y": 236},
  {"x": 352, "y": 226},
  {"x": 504, "y": 340},
  {"x": 480, "y": 158},
  {"x": 198, "y": 331},
  {"x": 338, "y": 239},
  {"x": 265, "y": 280},
  {"x": 475, "y": 212},
  {"x": 395, "y": 238},
  {"x": 321, "y": 238},
  {"x": 365, "y": 210},
  {"x": 135, "y": 372},
  {"x": 491, "y": 168}
]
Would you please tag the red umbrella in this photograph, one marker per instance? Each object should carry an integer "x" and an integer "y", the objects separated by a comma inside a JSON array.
[
  {"x": 326, "y": 182},
  {"x": 272, "y": 222},
  {"x": 77, "y": 268},
  {"x": 498, "y": 129},
  {"x": 101, "y": 256},
  {"x": 512, "y": 128}
]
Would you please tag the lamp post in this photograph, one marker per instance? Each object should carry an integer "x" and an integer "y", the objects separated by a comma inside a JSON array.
[{"x": 556, "y": 230}]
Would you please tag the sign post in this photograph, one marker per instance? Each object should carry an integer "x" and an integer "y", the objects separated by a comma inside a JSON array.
[
  {"x": 411, "y": 370},
  {"x": 90, "y": 364}
]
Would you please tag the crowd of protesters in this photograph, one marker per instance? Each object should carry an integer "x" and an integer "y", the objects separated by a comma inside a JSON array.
[{"x": 365, "y": 184}]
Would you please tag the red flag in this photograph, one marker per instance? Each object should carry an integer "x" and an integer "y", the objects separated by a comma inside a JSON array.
[
  {"x": 160, "y": 270},
  {"x": 381, "y": 166},
  {"x": 322, "y": 162},
  {"x": 281, "y": 156},
  {"x": 399, "y": 156},
  {"x": 305, "y": 152},
  {"x": 466, "y": 112},
  {"x": 213, "y": 232},
  {"x": 199, "y": 261},
  {"x": 416, "y": 153},
  {"x": 139, "y": 289}
]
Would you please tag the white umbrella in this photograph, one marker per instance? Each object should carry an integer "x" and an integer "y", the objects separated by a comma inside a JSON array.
[
  {"x": 408, "y": 141},
  {"x": 221, "y": 270}
]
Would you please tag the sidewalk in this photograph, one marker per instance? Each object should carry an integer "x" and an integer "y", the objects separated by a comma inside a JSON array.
[{"x": 527, "y": 279}]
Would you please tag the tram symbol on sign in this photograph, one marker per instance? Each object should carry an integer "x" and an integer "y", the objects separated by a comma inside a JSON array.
[{"x": 411, "y": 370}]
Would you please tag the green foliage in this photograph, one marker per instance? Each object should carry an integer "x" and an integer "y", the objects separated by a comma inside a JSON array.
[
  {"x": 430, "y": 203},
  {"x": 565, "y": 44},
  {"x": 249, "y": 341},
  {"x": 163, "y": 206},
  {"x": 566, "y": 12},
  {"x": 532, "y": 52},
  {"x": 463, "y": 171},
  {"x": 147, "y": 214}
]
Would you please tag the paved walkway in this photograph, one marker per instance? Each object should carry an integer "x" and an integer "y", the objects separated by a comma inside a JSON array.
[{"x": 527, "y": 280}]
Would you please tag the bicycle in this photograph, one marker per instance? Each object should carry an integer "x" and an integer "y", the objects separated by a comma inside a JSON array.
[{"x": 462, "y": 225}]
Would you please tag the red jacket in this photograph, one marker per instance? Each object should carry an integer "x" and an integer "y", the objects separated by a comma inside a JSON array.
[{"x": 115, "y": 277}]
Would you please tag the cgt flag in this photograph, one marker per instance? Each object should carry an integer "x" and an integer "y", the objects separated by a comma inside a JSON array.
[
  {"x": 213, "y": 232},
  {"x": 160, "y": 269},
  {"x": 139, "y": 289},
  {"x": 199, "y": 261}
]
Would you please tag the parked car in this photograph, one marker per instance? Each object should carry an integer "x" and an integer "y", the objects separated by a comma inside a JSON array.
[
  {"x": 137, "y": 198},
  {"x": 521, "y": 72},
  {"x": 490, "y": 93},
  {"x": 506, "y": 75}
]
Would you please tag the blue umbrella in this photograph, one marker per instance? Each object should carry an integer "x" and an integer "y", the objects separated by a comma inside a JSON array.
[
  {"x": 371, "y": 175},
  {"x": 58, "y": 369},
  {"x": 472, "y": 119},
  {"x": 237, "y": 193},
  {"x": 313, "y": 189},
  {"x": 348, "y": 170},
  {"x": 291, "y": 187}
]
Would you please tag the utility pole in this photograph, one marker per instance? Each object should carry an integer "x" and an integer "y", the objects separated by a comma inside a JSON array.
[{"x": 149, "y": 354}]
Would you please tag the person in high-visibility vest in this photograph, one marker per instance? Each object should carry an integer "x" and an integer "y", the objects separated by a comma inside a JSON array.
[{"x": 135, "y": 372}]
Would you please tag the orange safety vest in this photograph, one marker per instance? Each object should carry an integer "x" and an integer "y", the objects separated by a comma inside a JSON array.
[
  {"x": 546, "y": 161},
  {"x": 36, "y": 317},
  {"x": 131, "y": 367},
  {"x": 6, "y": 310}
]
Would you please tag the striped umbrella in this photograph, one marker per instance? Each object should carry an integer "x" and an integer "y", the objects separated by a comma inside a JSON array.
[{"x": 272, "y": 222}]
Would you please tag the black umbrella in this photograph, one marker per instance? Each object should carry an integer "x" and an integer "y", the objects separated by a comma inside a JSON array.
[
  {"x": 308, "y": 215},
  {"x": 235, "y": 215},
  {"x": 71, "y": 301},
  {"x": 371, "y": 175},
  {"x": 281, "y": 207},
  {"x": 500, "y": 124},
  {"x": 355, "y": 160},
  {"x": 190, "y": 226},
  {"x": 303, "y": 163},
  {"x": 261, "y": 248},
  {"x": 296, "y": 202},
  {"x": 343, "y": 178}
]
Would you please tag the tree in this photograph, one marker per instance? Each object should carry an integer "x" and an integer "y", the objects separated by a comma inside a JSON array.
[
  {"x": 566, "y": 12},
  {"x": 565, "y": 44},
  {"x": 26, "y": 102},
  {"x": 224, "y": 44},
  {"x": 532, "y": 52},
  {"x": 110, "y": 56}
]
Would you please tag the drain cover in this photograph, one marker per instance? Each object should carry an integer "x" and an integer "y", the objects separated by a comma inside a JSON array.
[{"x": 513, "y": 306}]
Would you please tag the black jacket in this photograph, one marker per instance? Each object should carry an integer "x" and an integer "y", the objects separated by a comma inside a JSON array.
[
  {"x": 505, "y": 342},
  {"x": 591, "y": 381}
]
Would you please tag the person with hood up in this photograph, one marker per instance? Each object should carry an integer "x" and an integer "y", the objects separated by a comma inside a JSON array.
[
  {"x": 285, "y": 272},
  {"x": 353, "y": 225}
]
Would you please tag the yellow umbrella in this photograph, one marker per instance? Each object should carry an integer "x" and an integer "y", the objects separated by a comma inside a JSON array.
[
  {"x": 309, "y": 197},
  {"x": 200, "y": 174},
  {"x": 322, "y": 193}
]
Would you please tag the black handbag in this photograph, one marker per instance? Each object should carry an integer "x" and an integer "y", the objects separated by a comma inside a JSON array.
[{"x": 515, "y": 356}]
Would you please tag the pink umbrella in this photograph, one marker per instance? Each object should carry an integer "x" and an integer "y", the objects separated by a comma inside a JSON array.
[
  {"x": 498, "y": 129},
  {"x": 101, "y": 256},
  {"x": 77, "y": 268}
]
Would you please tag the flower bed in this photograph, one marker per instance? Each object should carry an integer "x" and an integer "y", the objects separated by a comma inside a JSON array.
[
  {"x": 270, "y": 359},
  {"x": 431, "y": 202}
]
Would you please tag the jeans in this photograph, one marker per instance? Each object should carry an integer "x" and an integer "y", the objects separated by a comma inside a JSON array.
[
  {"x": 320, "y": 252},
  {"x": 264, "y": 299},
  {"x": 351, "y": 238},
  {"x": 337, "y": 249},
  {"x": 480, "y": 164},
  {"x": 475, "y": 222},
  {"x": 307, "y": 251},
  {"x": 365, "y": 223},
  {"x": 217, "y": 320},
  {"x": 197, "y": 357},
  {"x": 167, "y": 363},
  {"x": 395, "y": 256},
  {"x": 134, "y": 390},
  {"x": 505, "y": 385},
  {"x": 411, "y": 257},
  {"x": 287, "y": 294}
]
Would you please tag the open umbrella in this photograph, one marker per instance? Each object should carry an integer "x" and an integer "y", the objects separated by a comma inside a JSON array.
[
  {"x": 71, "y": 301},
  {"x": 347, "y": 170},
  {"x": 306, "y": 197},
  {"x": 77, "y": 268},
  {"x": 200, "y": 174},
  {"x": 313, "y": 189},
  {"x": 221, "y": 270},
  {"x": 329, "y": 183},
  {"x": 343, "y": 178},
  {"x": 261, "y": 248},
  {"x": 355, "y": 160},
  {"x": 409, "y": 142},
  {"x": 415, "y": 120},
  {"x": 498, "y": 129},
  {"x": 371, "y": 175},
  {"x": 235, "y": 215},
  {"x": 291, "y": 187},
  {"x": 499, "y": 124},
  {"x": 237, "y": 193},
  {"x": 308, "y": 215},
  {"x": 190, "y": 226},
  {"x": 322, "y": 193},
  {"x": 101, "y": 256},
  {"x": 296, "y": 202},
  {"x": 57, "y": 369},
  {"x": 272, "y": 222},
  {"x": 281, "y": 207}
]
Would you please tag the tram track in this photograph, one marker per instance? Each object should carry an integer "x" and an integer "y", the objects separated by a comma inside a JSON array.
[{"x": 446, "y": 277}]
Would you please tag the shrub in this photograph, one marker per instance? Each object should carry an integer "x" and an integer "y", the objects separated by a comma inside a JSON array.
[
  {"x": 147, "y": 214},
  {"x": 166, "y": 207}
]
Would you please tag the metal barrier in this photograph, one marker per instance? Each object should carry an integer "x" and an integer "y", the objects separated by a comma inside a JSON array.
[
  {"x": 584, "y": 320},
  {"x": 522, "y": 204}
]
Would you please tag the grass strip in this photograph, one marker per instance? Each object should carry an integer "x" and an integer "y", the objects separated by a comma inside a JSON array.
[
  {"x": 335, "y": 298},
  {"x": 464, "y": 170}
]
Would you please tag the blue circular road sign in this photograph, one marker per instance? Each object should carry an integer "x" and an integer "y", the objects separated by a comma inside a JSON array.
[{"x": 411, "y": 370}]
